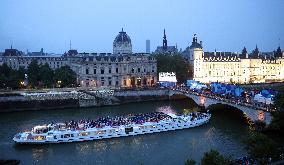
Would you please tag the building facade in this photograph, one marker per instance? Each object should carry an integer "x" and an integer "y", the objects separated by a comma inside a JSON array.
[
  {"x": 16, "y": 59},
  {"x": 120, "y": 69},
  {"x": 131, "y": 70},
  {"x": 229, "y": 67}
]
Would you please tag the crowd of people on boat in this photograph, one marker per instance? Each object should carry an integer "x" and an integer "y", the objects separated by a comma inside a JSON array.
[
  {"x": 116, "y": 121},
  {"x": 197, "y": 115},
  {"x": 121, "y": 120}
]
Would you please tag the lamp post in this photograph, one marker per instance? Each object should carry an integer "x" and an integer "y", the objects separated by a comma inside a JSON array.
[{"x": 59, "y": 83}]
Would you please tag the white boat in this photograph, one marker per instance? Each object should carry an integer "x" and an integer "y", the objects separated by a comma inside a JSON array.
[{"x": 103, "y": 128}]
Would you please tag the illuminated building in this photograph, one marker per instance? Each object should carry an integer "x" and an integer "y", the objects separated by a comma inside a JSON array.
[{"x": 228, "y": 67}]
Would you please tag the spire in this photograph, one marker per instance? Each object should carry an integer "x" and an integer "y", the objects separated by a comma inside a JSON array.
[
  {"x": 11, "y": 45},
  {"x": 165, "y": 42},
  {"x": 70, "y": 44},
  {"x": 121, "y": 29}
]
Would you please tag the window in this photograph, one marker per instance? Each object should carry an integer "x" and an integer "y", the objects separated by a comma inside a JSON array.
[
  {"x": 116, "y": 83},
  {"x": 109, "y": 70},
  {"x": 124, "y": 82},
  {"x": 132, "y": 70},
  {"x": 138, "y": 70},
  {"x": 102, "y": 71},
  {"x": 109, "y": 82},
  {"x": 116, "y": 70},
  {"x": 95, "y": 71},
  {"x": 87, "y": 71}
]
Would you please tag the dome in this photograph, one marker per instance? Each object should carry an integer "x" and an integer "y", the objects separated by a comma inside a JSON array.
[{"x": 122, "y": 43}]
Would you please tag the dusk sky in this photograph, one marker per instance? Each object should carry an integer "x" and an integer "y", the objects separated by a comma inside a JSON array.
[{"x": 92, "y": 25}]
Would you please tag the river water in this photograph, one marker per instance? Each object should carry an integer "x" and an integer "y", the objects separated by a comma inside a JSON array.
[{"x": 225, "y": 133}]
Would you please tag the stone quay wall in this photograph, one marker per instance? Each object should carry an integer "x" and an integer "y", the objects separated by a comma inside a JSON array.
[{"x": 75, "y": 99}]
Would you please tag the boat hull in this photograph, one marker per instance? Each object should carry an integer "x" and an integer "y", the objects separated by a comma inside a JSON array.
[{"x": 161, "y": 128}]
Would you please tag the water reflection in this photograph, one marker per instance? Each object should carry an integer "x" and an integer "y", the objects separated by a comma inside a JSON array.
[
  {"x": 166, "y": 109},
  {"x": 38, "y": 153},
  {"x": 221, "y": 133}
]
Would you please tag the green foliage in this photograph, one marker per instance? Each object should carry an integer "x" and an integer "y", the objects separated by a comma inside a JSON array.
[
  {"x": 279, "y": 100},
  {"x": 38, "y": 75},
  {"x": 277, "y": 123},
  {"x": 190, "y": 162},
  {"x": 10, "y": 78},
  {"x": 215, "y": 158},
  {"x": 261, "y": 148},
  {"x": 174, "y": 63},
  {"x": 66, "y": 76},
  {"x": 33, "y": 73},
  {"x": 46, "y": 75}
]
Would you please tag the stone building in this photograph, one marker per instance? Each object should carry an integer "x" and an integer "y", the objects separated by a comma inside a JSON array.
[
  {"x": 129, "y": 70},
  {"x": 16, "y": 59},
  {"x": 165, "y": 49},
  {"x": 120, "y": 69},
  {"x": 228, "y": 67}
]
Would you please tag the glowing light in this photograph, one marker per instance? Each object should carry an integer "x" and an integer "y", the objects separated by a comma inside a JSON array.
[
  {"x": 202, "y": 100},
  {"x": 261, "y": 115}
]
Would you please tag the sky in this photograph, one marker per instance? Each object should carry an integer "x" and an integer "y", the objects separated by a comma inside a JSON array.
[{"x": 92, "y": 25}]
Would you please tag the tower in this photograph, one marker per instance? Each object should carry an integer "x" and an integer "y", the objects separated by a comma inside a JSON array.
[
  {"x": 196, "y": 59},
  {"x": 165, "y": 42},
  {"x": 148, "y": 46}
]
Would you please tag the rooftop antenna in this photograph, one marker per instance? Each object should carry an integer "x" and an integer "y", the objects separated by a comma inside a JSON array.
[
  {"x": 70, "y": 45},
  {"x": 279, "y": 42},
  {"x": 11, "y": 45}
]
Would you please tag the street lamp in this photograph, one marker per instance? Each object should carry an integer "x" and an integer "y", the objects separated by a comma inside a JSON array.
[{"x": 59, "y": 83}]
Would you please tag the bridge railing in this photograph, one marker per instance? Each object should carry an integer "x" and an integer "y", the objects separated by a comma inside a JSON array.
[{"x": 231, "y": 101}]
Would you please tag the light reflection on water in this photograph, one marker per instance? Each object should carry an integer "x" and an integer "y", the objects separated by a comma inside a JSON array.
[
  {"x": 166, "y": 109},
  {"x": 38, "y": 153},
  {"x": 160, "y": 148}
]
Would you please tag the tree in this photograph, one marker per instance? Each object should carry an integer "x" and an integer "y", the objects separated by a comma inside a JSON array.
[
  {"x": 5, "y": 71},
  {"x": 277, "y": 123},
  {"x": 33, "y": 73},
  {"x": 65, "y": 76},
  {"x": 261, "y": 148},
  {"x": 215, "y": 158},
  {"x": 46, "y": 75},
  {"x": 279, "y": 100},
  {"x": 190, "y": 162},
  {"x": 9, "y": 78},
  {"x": 174, "y": 63}
]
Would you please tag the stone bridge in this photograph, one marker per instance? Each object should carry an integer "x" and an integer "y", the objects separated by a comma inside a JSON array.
[{"x": 253, "y": 114}]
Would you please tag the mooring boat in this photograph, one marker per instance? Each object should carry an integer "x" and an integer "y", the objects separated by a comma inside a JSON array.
[{"x": 110, "y": 127}]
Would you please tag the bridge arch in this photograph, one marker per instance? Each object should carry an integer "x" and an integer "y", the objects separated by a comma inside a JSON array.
[{"x": 252, "y": 114}]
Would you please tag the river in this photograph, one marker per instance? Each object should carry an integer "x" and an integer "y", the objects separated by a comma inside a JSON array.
[{"x": 225, "y": 133}]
